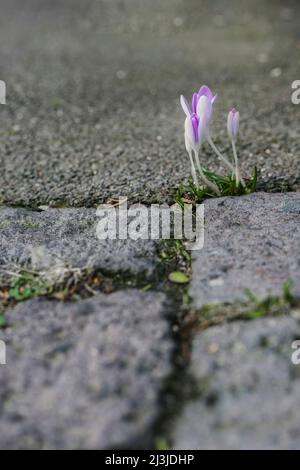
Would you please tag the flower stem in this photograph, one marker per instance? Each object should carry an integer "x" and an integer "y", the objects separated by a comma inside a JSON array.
[
  {"x": 193, "y": 170},
  {"x": 208, "y": 183},
  {"x": 197, "y": 160},
  {"x": 217, "y": 151},
  {"x": 238, "y": 178}
]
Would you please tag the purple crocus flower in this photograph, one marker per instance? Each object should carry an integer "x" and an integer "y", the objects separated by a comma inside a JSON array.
[
  {"x": 201, "y": 110},
  {"x": 191, "y": 124},
  {"x": 204, "y": 91},
  {"x": 233, "y": 121},
  {"x": 198, "y": 121},
  {"x": 197, "y": 130},
  {"x": 195, "y": 127}
]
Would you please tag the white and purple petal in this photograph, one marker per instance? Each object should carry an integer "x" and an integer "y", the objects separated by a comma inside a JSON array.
[
  {"x": 195, "y": 124},
  {"x": 206, "y": 91},
  {"x": 204, "y": 108},
  {"x": 236, "y": 123},
  {"x": 189, "y": 134},
  {"x": 195, "y": 100},
  {"x": 214, "y": 99},
  {"x": 202, "y": 130},
  {"x": 185, "y": 105},
  {"x": 233, "y": 120}
]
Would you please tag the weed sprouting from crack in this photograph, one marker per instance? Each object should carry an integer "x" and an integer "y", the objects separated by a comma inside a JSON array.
[
  {"x": 174, "y": 251},
  {"x": 61, "y": 283},
  {"x": 66, "y": 283},
  {"x": 271, "y": 305},
  {"x": 251, "y": 309},
  {"x": 177, "y": 261},
  {"x": 191, "y": 194}
]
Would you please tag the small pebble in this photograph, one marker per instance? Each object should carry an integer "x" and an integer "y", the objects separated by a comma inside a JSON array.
[
  {"x": 121, "y": 74},
  {"x": 178, "y": 21},
  {"x": 216, "y": 282},
  {"x": 213, "y": 348},
  {"x": 262, "y": 58},
  {"x": 276, "y": 72}
]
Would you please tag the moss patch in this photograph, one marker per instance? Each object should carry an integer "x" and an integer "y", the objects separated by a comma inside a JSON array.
[{"x": 254, "y": 308}]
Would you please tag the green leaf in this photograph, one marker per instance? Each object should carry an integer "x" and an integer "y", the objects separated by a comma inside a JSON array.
[
  {"x": 251, "y": 296},
  {"x": 147, "y": 287},
  {"x": 26, "y": 287},
  {"x": 2, "y": 321},
  {"x": 226, "y": 184},
  {"x": 178, "y": 277},
  {"x": 287, "y": 291},
  {"x": 161, "y": 443}
]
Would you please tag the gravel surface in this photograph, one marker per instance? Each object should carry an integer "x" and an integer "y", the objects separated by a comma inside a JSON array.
[{"x": 92, "y": 94}]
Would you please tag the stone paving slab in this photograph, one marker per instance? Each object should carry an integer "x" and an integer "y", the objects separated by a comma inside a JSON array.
[
  {"x": 92, "y": 94},
  {"x": 251, "y": 242},
  {"x": 248, "y": 388},
  {"x": 84, "y": 375},
  {"x": 68, "y": 237}
]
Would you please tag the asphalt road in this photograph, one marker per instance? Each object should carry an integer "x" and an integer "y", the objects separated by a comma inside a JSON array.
[{"x": 92, "y": 94}]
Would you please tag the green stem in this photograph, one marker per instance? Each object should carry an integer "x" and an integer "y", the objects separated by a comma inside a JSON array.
[{"x": 238, "y": 177}]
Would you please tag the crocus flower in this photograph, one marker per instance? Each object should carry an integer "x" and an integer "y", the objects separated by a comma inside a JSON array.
[
  {"x": 197, "y": 131},
  {"x": 195, "y": 127},
  {"x": 206, "y": 92},
  {"x": 199, "y": 116},
  {"x": 202, "y": 107},
  {"x": 233, "y": 121}
]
